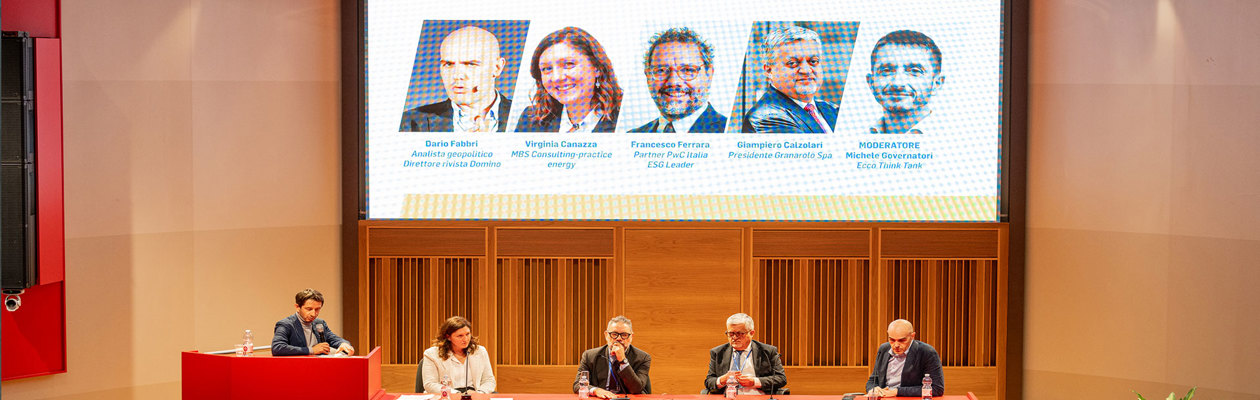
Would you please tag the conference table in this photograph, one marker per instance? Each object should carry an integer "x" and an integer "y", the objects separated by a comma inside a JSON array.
[{"x": 567, "y": 396}]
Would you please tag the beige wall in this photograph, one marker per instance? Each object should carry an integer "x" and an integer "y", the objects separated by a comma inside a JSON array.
[
  {"x": 1144, "y": 229},
  {"x": 202, "y": 159}
]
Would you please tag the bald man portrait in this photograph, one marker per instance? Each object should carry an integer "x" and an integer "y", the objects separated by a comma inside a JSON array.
[
  {"x": 469, "y": 65},
  {"x": 901, "y": 363}
]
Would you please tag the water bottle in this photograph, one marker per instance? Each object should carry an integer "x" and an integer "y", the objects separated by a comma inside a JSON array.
[
  {"x": 584, "y": 385},
  {"x": 927, "y": 386},
  {"x": 446, "y": 387},
  {"x": 248, "y": 343},
  {"x": 732, "y": 387}
]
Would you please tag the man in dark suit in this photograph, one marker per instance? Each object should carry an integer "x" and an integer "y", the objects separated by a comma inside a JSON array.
[
  {"x": 630, "y": 365},
  {"x": 755, "y": 365},
  {"x": 470, "y": 64},
  {"x": 794, "y": 69},
  {"x": 303, "y": 333},
  {"x": 901, "y": 364},
  {"x": 679, "y": 69}
]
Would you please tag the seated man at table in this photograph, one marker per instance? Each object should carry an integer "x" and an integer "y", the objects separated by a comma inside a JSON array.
[
  {"x": 629, "y": 364},
  {"x": 755, "y": 365},
  {"x": 303, "y": 334},
  {"x": 901, "y": 363}
]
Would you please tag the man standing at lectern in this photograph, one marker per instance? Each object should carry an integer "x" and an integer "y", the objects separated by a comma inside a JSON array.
[
  {"x": 628, "y": 364},
  {"x": 755, "y": 365},
  {"x": 303, "y": 334},
  {"x": 901, "y": 363}
]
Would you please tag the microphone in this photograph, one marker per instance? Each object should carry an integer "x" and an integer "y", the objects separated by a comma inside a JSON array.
[{"x": 319, "y": 332}]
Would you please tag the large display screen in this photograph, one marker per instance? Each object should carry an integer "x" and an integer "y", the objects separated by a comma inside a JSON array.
[{"x": 856, "y": 110}]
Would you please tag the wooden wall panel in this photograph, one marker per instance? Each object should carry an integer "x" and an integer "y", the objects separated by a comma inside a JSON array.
[
  {"x": 411, "y": 297},
  {"x": 384, "y": 242},
  {"x": 550, "y": 310},
  {"x": 815, "y": 310},
  {"x": 952, "y": 305},
  {"x": 521, "y": 242},
  {"x": 939, "y": 243},
  {"x": 540, "y": 293},
  {"x": 811, "y": 243},
  {"x": 681, "y": 284}
]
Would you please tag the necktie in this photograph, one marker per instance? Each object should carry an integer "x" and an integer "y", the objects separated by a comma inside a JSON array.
[
  {"x": 813, "y": 112},
  {"x": 738, "y": 363},
  {"x": 669, "y": 128}
]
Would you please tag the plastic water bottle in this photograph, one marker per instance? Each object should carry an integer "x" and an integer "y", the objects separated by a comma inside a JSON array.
[
  {"x": 927, "y": 386},
  {"x": 446, "y": 387},
  {"x": 248, "y": 343},
  {"x": 732, "y": 387},
  {"x": 584, "y": 386}
]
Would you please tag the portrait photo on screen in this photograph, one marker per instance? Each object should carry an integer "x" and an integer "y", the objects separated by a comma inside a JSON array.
[
  {"x": 689, "y": 72},
  {"x": 794, "y": 76},
  {"x": 574, "y": 85},
  {"x": 464, "y": 76}
]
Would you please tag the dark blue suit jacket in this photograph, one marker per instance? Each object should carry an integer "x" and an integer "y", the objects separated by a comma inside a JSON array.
[
  {"x": 439, "y": 117},
  {"x": 710, "y": 121},
  {"x": 776, "y": 113},
  {"x": 290, "y": 340},
  {"x": 921, "y": 359},
  {"x": 552, "y": 123}
]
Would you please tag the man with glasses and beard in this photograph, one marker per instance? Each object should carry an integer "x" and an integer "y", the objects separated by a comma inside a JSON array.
[
  {"x": 679, "y": 69},
  {"x": 755, "y": 365},
  {"x": 628, "y": 364}
]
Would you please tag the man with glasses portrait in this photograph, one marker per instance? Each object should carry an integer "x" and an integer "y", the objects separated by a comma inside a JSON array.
[
  {"x": 755, "y": 365},
  {"x": 628, "y": 364},
  {"x": 679, "y": 69}
]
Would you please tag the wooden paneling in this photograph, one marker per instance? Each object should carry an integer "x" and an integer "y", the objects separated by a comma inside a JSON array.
[
  {"x": 939, "y": 243},
  {"x": 536, "y": 378},
  {"x": 409, "y": 298},
  {"x": 680, "y": 287},
  {"x": 550, "y": 309},
  {"x": 822, "y": 293},
  {"x": 815, "y": 310},
  {"x": 554, "y": 242},
  {"x": 384, "y": 242},
  {"x": 952, "y": 304},
  {"x": 398, "y": 378},
  {"x": 811, "y": 243}
]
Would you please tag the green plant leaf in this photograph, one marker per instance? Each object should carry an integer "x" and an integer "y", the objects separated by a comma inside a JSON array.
[
  {"x": 1172, "y": 396},
  {"x": 1139, "y": 395},
  {"x": 1190, "y": 394}
]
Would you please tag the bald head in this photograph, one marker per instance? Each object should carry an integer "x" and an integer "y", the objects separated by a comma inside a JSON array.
[
  {"x": 900, "y": 335},
  {"x": 470, "y": 63}
]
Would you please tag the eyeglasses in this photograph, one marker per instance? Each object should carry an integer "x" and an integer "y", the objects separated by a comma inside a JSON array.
[
  {"x": 686, "y": 72},
  {"x": 736, "y": 335},
  {"x": 623, "y": 335}
]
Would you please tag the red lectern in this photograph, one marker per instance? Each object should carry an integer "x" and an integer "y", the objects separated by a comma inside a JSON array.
[{"x": 212, "y": 376}]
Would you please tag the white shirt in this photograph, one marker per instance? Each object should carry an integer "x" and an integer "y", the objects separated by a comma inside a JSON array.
[
  {"x": 474, "y": 371},
  {"x": 586, "y": 125},
  {"x": 465, "y": 123},
  {"x": 746, "y": 368},
  {"x": 682, "y": 124}
]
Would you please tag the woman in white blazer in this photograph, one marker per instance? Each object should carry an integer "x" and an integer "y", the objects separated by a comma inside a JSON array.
[{"x": 455, "y": 354}]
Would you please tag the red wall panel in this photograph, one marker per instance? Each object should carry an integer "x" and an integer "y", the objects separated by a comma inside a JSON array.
[{"x": 40, "y": 18}]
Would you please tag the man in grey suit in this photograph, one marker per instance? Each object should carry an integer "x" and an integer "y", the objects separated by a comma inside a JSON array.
[
  {"x": 755, "y": 365},
  {"x": 901, "y": 363},
  {"x": 469, "y": 65},
  {"x": 795, "y": 71},
  {"x": 629, "y": 364}
]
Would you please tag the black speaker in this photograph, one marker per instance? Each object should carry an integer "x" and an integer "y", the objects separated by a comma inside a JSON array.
[{"x": 18, "y": 256}]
